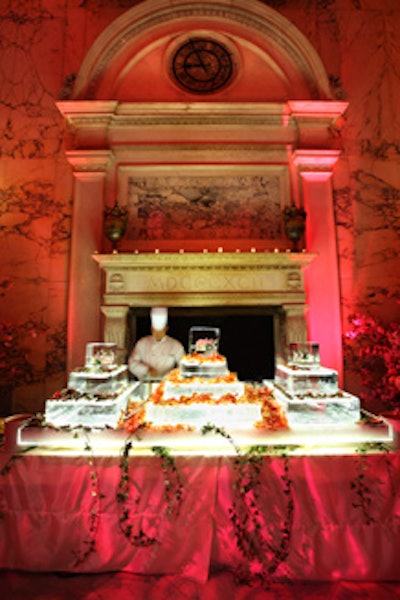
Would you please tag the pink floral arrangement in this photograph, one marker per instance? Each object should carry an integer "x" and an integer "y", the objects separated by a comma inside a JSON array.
[
  {"x": 205, "y": 345},
  {"x": 372, "y": 350}
]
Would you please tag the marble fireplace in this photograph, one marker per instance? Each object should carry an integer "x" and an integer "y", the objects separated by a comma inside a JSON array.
[{"x": 255, "y": 282}]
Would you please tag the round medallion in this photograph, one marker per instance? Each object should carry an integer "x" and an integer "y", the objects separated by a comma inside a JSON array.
[{"x": 202, "y": 65}]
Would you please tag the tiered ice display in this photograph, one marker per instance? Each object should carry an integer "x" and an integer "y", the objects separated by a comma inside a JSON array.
[
  {"x": 101, "y": 372},
  {"x": 97, "y": 394},
  {"x": 302, "y": 406},
  {"x": 309, "y": 392}
]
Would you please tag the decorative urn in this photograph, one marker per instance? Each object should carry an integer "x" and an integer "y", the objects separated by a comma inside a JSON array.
[
  {"x": 294, "y": 221},
  {"x": 115, "y": 220}
]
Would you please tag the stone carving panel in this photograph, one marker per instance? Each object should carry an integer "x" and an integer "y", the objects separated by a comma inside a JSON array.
[{"x": 172, "y": 207}]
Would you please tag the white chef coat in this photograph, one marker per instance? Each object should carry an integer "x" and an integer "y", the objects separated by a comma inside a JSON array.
[{"x": 161, "y": 356}]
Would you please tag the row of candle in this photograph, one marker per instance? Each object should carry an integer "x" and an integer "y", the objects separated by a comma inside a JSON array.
[{"x": 221, "y": 250}]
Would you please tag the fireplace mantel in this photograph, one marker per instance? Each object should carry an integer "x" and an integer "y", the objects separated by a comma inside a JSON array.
[{"x": 201, "y": 279}]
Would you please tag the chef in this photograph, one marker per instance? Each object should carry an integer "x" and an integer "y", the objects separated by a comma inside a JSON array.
[{"x": 155, "y": 355}]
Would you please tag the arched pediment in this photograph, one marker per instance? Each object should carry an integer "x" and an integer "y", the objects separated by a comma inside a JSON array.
[{"x": 131, "y": 60}]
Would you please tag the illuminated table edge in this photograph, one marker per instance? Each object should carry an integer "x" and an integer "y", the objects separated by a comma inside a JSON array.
[
  {"x": 300, "y": 451},
  {"x": 305, "y": 441}
]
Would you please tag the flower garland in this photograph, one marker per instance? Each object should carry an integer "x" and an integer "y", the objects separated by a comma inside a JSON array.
[
  {"x": 293, "y": 211},
  {"x": 372, "y": 350},
  {"x": 117, "y": 210}
]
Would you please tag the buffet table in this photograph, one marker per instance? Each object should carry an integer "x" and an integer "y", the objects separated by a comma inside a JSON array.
[{"x": 310, "y": 516}]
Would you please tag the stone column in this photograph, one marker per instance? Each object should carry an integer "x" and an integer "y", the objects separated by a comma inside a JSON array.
[
  {"x": 296, "y": 324},
  {"x": 114, "y": 327},
  {"x": 86, "y": 239},
  {"x": 322, "y": 277}
]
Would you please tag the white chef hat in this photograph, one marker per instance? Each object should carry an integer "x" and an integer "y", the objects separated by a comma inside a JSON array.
[{"x": 159, "y": 317}]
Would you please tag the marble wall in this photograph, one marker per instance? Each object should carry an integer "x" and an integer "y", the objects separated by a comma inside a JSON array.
[{"x": 43, "y": 43}]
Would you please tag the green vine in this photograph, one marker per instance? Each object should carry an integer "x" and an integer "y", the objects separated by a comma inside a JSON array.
[
  {"x": 251, "y": 527},
  {"x": 360, "y": 485},
  {"x": 249, "y": 523},
  {"x": 386, "y": 449},
  {"x": 140, "y": 538},
  {"x": 9, "y": 464},
  {"x": 97, "y": 496},
  {"x": 172, "y": 480},
  {"x": 173, "y": 494}
]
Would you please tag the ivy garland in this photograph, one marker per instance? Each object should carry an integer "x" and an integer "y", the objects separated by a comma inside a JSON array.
[
  {"x": 123, "y": 493},
  {"x": 97, "y": 496},
  {"x": 173, "y": 493},
  {"x": 360, "y": 484},
  {"x": 172, "y": 480},
  {"x": 9, "y": 464},
  {"x": 249, "y": 525},
  {"x": 263, "y": 558}
]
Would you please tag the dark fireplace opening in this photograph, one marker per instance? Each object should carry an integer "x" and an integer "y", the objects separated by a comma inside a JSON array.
[{"x": 247, "y": 334}]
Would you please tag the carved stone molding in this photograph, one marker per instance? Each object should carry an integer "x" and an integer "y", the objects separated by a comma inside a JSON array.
[
  {"x": 94, "y": 128},
  {"x": 89, "y": 160},
  {"x": 197, "y": 279},
  {"x": 270, "y": 277}
]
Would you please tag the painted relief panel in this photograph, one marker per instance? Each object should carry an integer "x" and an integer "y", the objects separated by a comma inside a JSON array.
[{"x": 193, "y": 207}]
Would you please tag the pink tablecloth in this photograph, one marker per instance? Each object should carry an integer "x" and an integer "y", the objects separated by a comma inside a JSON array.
[{"x": 324, "y": 518}]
